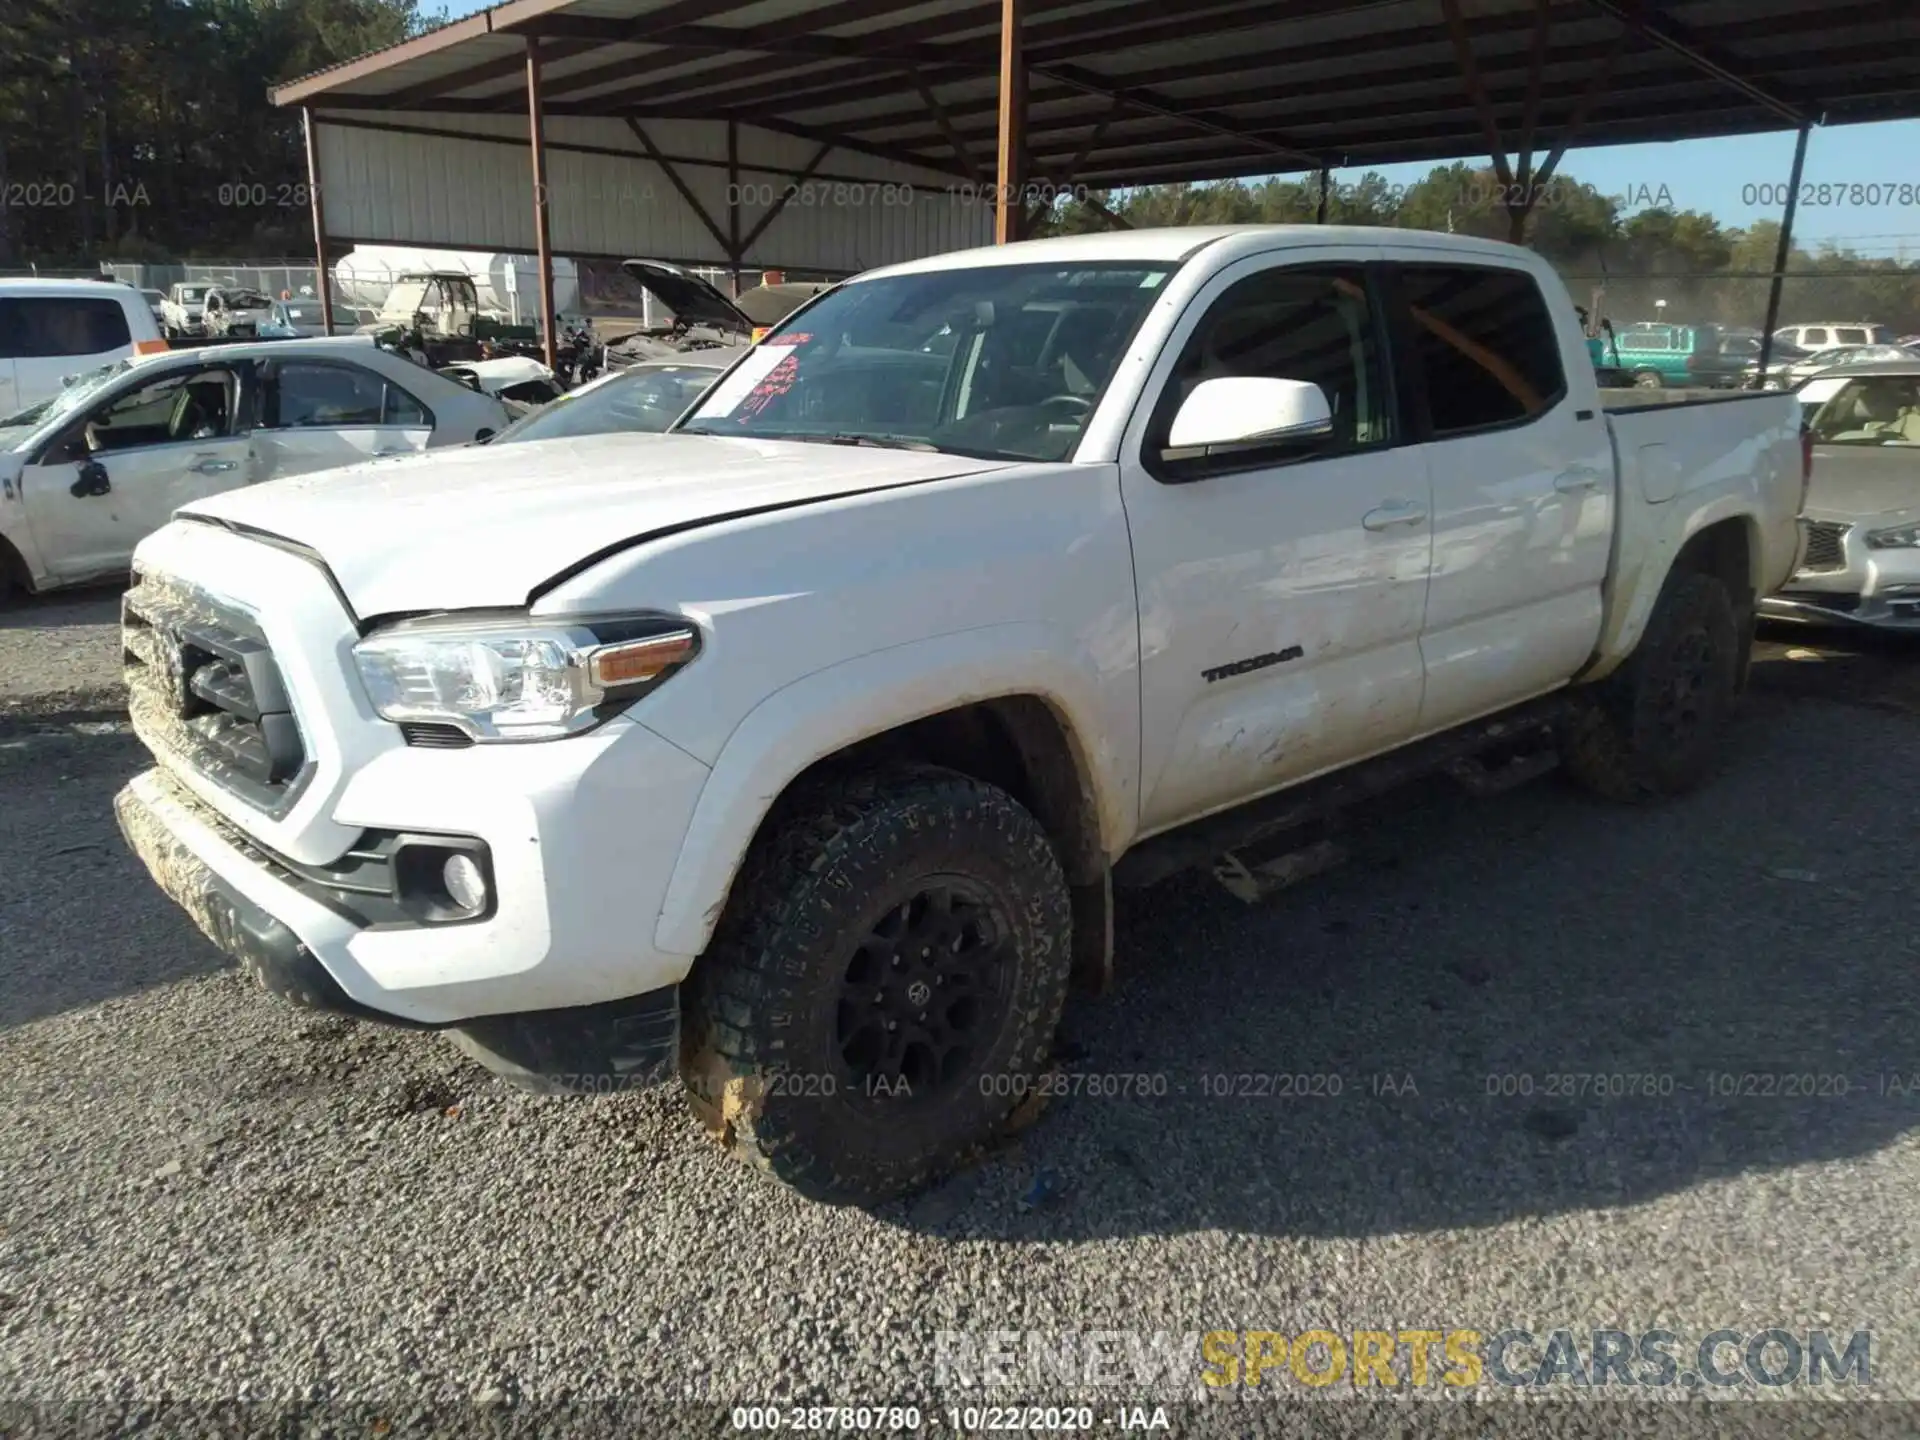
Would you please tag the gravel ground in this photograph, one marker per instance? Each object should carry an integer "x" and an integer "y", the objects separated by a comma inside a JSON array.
[{"x": 205, "y": 1195}]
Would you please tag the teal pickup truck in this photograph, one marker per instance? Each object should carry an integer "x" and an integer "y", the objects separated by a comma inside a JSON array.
[{"x": 1656, "y": 356}]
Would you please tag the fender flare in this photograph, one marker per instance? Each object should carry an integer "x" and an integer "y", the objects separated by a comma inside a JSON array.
[
  {"x": 1636, "y": 591},
  {"x": 808, "y": 720}
]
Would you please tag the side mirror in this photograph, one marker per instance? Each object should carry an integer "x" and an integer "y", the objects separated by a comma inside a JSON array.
[{"x": 1245, "y": 409}]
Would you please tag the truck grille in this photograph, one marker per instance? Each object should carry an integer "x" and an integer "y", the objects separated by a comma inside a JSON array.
[
  {"x": 203, "y": 687},
  {"x": 1826, "y": 548}
]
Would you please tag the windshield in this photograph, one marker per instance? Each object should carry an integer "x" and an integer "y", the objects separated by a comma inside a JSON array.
[
  {"x": 1001, "y": 361},
  {"x": 70, "y": 399},
  {"x": 647, "y": 400},
  {"x": 191, "y": 294},
  {"x": 1872, "y": 410}
]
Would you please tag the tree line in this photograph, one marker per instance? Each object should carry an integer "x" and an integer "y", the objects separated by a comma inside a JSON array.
[
  {"x": 1625, "y": 251},
  {"x": 139, "y": 130}
]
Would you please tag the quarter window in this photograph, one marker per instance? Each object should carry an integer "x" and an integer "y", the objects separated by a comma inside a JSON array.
[
  {"x": 1306, "y": 323},
  {"x": 1486, "y": 343}
]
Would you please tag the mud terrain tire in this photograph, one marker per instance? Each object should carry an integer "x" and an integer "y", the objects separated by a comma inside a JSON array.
[
  {"x": 1653, "y": 728},
  {"x": 909, "y": 924}
]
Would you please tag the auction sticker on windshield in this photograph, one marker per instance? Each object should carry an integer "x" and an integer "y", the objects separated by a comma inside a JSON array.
[{"x": 745, "y": 377}]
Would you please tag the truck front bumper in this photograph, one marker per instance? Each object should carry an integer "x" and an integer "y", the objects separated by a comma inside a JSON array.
[{"x": 556, "y": 984}]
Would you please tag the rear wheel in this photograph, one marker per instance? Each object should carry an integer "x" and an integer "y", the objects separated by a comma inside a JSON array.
[
  {"x": 1648, "y": 380},
  {"x": 884, "y": 985},
  {"x": 1653, "y": 727}
]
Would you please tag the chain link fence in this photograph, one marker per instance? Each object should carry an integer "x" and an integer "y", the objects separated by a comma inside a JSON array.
[{"x": 506, "y": 284}]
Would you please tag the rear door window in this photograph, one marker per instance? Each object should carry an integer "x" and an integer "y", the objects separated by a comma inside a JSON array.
[
  {"x": 1485, "y": 343},
  {"x": 330, "y": 396},
  {"x": 1857, "y": 336}
]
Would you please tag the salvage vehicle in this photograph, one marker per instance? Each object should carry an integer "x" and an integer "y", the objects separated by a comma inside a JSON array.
[
  {"x": 87, "y": 475},
  {"x": 642, "y": 399},
  {"x": 234, "y": 313},
  {"x": 184, "y": 310},
  {"x": 438, "y": 314},
  {"x": 703, "y": 318},
  {"x": 304, "y": 318},
  {"x": 801, "y": 747},
  {"x": 517, "y": 382},
  {"x": 1862, "y": 560}
]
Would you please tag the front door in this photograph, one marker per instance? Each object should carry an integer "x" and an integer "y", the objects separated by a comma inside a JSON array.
[
  {"x": 1281, "y": 587},
  {"x": 114, "y": 477}
]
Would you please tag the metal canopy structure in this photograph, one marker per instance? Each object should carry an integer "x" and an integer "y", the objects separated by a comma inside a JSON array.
[{"x": 992, "y": 97}]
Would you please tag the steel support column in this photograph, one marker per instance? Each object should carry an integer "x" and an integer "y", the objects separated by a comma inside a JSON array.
[
  {"x": 1009, "y": 211},
  {"x": 542, "y": 229},
  {"x": 322, "y": 281},
  {"x": 1782, "y": 253}
]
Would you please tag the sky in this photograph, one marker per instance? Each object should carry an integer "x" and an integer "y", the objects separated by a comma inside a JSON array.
[{"x": 1724, "y": 178}]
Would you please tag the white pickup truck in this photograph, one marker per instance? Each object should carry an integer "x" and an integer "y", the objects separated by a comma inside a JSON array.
[{"x": 803, "y": 745}]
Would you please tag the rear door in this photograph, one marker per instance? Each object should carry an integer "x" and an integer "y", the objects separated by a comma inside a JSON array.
[
  {"x": 117, "y": 474},
  {"x": 321, "y": 414},
  {"x": 1522, "y": 480}
]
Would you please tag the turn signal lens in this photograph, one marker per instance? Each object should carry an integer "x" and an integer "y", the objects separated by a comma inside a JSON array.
[
  {"x": 150, "y": 347},
  {"x": 634, "y": 662}
]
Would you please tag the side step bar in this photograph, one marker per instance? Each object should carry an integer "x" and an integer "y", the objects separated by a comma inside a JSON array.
[{"x": 1226, "y": 837}]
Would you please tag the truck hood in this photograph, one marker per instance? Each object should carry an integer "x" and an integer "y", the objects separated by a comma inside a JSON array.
[
  {"x": 481, "y": 527},
  {"x": 1860, "y": 482}
]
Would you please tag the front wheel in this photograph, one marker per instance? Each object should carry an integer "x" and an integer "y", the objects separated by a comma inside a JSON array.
[
  {"x": 882, "y": 992},
  {"x": 1653, "y": 727},
  {"x": 1648, "y": 380}
]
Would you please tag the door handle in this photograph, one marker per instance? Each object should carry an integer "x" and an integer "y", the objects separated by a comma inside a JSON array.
[
  {"x": 212, "y": 467},
  {"x": 1571, "y": 482},
  {"x": 1397, "y": 512},
  {"x": 401, "y": 450}
]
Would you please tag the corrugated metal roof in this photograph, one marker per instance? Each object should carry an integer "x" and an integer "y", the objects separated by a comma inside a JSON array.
[{"x": 1133, "y": 91}]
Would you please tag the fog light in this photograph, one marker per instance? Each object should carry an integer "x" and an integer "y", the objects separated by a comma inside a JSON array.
[{"x": 465, "y": 882}]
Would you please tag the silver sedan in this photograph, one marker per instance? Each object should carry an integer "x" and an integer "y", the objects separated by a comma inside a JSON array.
[{"x": 1860, "y": 564}]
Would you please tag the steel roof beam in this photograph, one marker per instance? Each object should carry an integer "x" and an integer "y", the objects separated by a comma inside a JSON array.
[{"x": 1678, "y": 39}]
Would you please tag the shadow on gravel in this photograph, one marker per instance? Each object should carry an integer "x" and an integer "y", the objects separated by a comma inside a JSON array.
[
  {"x": 1853, "y": 667},
  {"x": 80, "y": 922},
  {"x": 1513, "y": 1007}
]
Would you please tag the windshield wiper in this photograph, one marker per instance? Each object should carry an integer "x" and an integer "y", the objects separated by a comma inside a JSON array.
[{"x": 875, "y": 442}]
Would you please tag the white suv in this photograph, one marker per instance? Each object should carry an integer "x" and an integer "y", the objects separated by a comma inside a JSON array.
[
  {"x": 1832, "y": 337},
  {"x": 51, "y": 329}
]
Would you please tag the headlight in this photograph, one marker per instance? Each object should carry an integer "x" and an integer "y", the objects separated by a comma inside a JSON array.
[
  {"x": 519, "y": 679},
  {"x": 1901, "y": 537}
]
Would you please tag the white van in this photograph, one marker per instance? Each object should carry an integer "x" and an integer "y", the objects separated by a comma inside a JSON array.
[
  {"x": 50, "y": 329},
  {"x": 1832, "y": 336}
]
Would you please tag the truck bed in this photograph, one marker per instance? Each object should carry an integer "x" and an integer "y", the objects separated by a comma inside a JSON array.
[{"x": 1622, "y": 400}]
